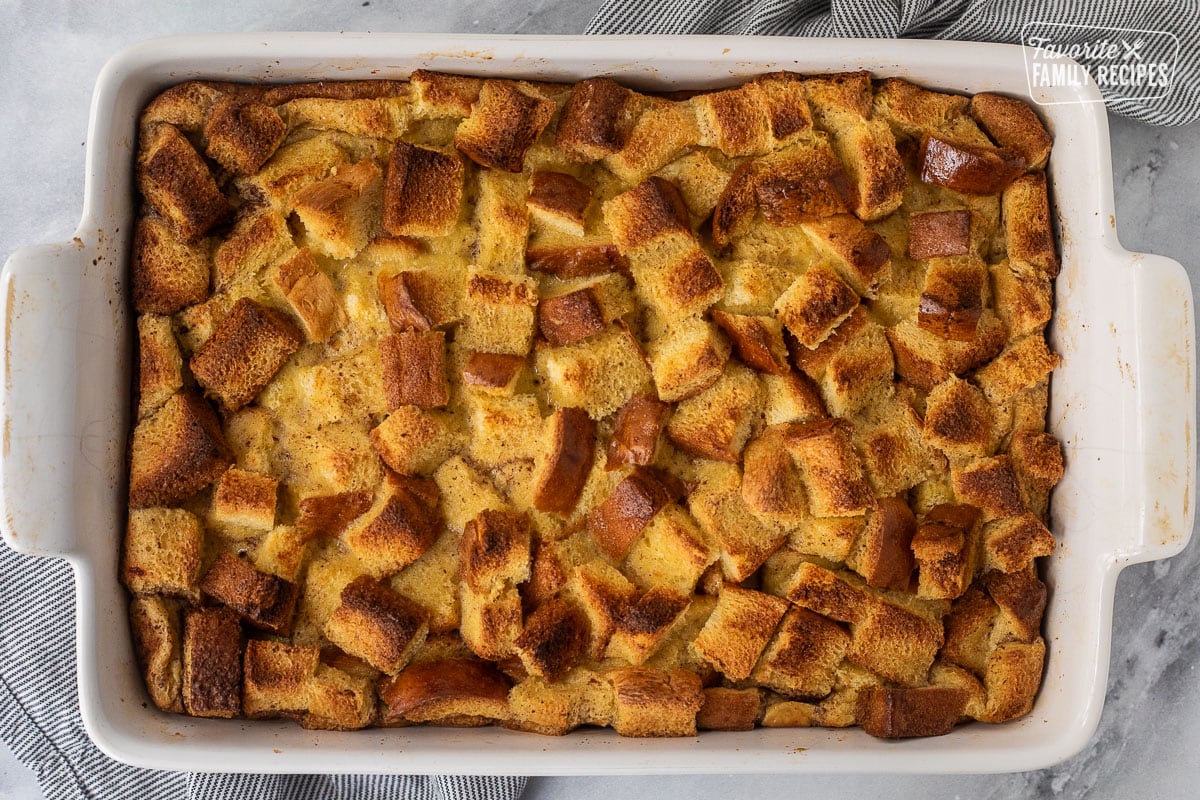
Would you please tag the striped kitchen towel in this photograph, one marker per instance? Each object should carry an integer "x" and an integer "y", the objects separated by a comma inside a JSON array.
[
  {"x": 1125, "y": 33},
  {"x": 39, "y": 718}
]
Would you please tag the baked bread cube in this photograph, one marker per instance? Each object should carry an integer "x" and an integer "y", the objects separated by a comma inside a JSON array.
[
  {"x": 422, "y": 192},
  {"x": 833, "y": 475},
  {"x": 826, "y": 593},
  {"x": 576, "y": 261},
  {"x": 738, "y": 630},
  {"x": 244, "y": 352},
  {"x": 757, "y": 340},
  {"x": 936, "y": 234},
  {"x": 157, "y": 642},
  {"x": 628, "y": 509},
  {"x": 167, "y": 273},
  {"x": 596, "y": 120},
  {"x": 815, "y": 304},
  {"x": 736, "y": 121},
  {"x": 582, "y": 697},
  {"x": 174, "y": 179},
  {"x": 645, "y": 624},
  {"x": 883, "y": 553},
  {"x": 859, "y": 255},
  {"x": 603, "y": 593},
  {"x": 1012, "y": 677},
  {"x": 504, "y": 123},
  {"x": 245, "y": 499},
  {"x": 1011, "y": 544},
  {"x": 501, "y": 223},
  {"x": 338, "y": 701},
  {"x": 557, "y": 200},
  {"x": 419, "y": 300},
  {"x": 282, "y": 551},
  {"x": 860, "y": 373},
  {"x": 924, "y": 359},
  {"x": 377, "y": 624},
  {"x": 830, "y": 538},
  {"x": 1021, "y": 599},
  {"x": 989, "y": 484},
  {"x": 599, "y": 375},
  {"x": 637, "y": 431},
  {"x": 495, "y": 550},
  {"x": 687, "y": 359},
  {"x": 1023, "y": 297},
  {"x": 500, "y": 314},
  {"x": 493, "y": 373},
  {"x": 802, "y": 182},
  {"x": 792, "y": 397},
  {"x": 729, "y": 709},
  {"x": 259, "y": 238},
  {"x": 159, "y": 363},
  {"x": 965, "y": 168},
  {"x": 432, "y": 582},
  {"x": 953, "y": 298},
  {"x": 648, "y": 216},
  {"x": 1027, "y": 232},
  {"x": 676, "y": 284},
  {"x": 414, "y": 369},
  {"x": 176, "y": 452},
  {"x": 339, "y": 212},
  {"x": 554, "y": 639},
  {"x": 276, "y": 678},
  {"x": 241, "y": 136},
  {"x": 1038, "y": 462},
  {"x": 660, "y": 134},
  {"x": 490, "y": 622},
  {"x": 1012, "y": 124},
  {"x": 447, "y": 691},
  {"x": 329, "y": 514},
  {"x": 959, "y": 421},
  {"x": 744, "y": 541},
  {"x": 580, "y": 313},
  {"x": 563, "y": 467},
  {"x": 771, "y": 484},
  {"x": 946, "y": 548},
  {"x": 312, "y": 297},
  {"x": 672, "y": 551},
  {"x": 293, "y": 168},
  {"x": 653, "y": 702},
  {"x": 699, "y": 179},
  {"x": 802, "y": 657},
  {"x": 437, "y": 95},
  {"x": 717, "y": 422},
  {"x": 895, "y": 643},
  {"x": 898, "y": 712},
  {"x": 402, "y": 524},
  {"x": 265, "y": 601},
  {"x": 413, "y": 441},
  {"x": 212, "y": 663}
]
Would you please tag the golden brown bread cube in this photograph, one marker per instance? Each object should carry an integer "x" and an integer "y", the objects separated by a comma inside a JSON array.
[
  {"x": 736, "y": 121},
  {"x": 439, "y": 95},
  {"x": 603, "y": 593},
  {"x": 652, "y": 702},
  {"x": 970, "y": 169},
  {"x": 757, "y": 341},
  {"x": 687, "y": 359},
  {"x": 645, "y": 623},
  {"x": 495, "y": 550},
  {"x": 628, "y": 509},
  {"x": 939, "y": 233},
  {"x": 500, "y": 314},
  {"x": 167, "y": 272},
  {"x": 244, "y": 352},
  {"x": 504, "y": 123},
  {"x": 898, "y": 712},
  {"x": 241, "y": 136},
  {"x": 729, "y": 709},
  {"x": 815, "y": 304},
  {"x": 600, "y": 375},
  {"x": 800, "y": 183},
  {"x": 174, "y": 179},
  {"x": 276, "y": 678},
  {"x": 377, "y": 624},
  {"x": 883, "y": 554},
  {"x": 636, "y": 432},
  {"x": 422, "y": 192},
  {"x": 1023, "y": 297},
  {"x": 717, "y": 422},
  {"x": 959, "y": 420},
  {"x": 1012, "y": 543},
  {"x": 157, "y": 642},
  {"x": 859, "y": 255},
  {"x": 413, "y": 441},
  {"x": 263, "y": 600},
  {"x": 596, "y": 119},
  {"x": 825, "y": 593},
  {"x": 583, "y": 697},
  {"x": 672, "y": 551},
  {"x": 802, "y": 657},
  {"x": 771, "y": 484},
  {"x": 946, "y": 547},
  {"x": 990, "y": 485},
  {"x": 952, "y": 298},
  {"x": 312, "y": 297},
  {"x": 558, "y": 200},
  {"x": 176, "y": 452},
  {"x": 660, "y": 133},
  {"x": 1013, "y": 124},
  {"x": 554, "y": 639},
  {"x": 443, "y": 689},
  {"x": 832, "y": 472},
  {"x": 648, "y": 215},
  {"x": 570, "y": 318},
  {"x": 401, "y": 525},
  {"x": 339, "y": 212},
  {"x": 159, "y": 363},
  {"x": 563, "y": 467},
  {"x": 246, "y": 499},
  {"x": 744, "y": 541},
  {"x": 1014, "y": 672},
  {"x": 738, "y": 630},
  {"x": 576, "y": 261},
  {"x": 1027, "y": 225},
  {"x": 895, "y": 643},
  {"x": 414, "y": 369},
  {"x": 339, "y": 701},
  {"x": 1021, "y": 598},
  {"x": 493, "y": 373},
  {"x": 212, "y": 662}
]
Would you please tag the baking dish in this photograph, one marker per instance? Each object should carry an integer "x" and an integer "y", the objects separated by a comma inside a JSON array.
[{"x": 1122, "y": 403}]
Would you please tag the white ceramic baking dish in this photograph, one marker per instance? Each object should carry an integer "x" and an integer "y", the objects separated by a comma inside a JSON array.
[{"x": 1122, "y": 403}]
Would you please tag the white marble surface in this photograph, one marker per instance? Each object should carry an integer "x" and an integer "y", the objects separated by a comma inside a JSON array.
[{"x": 50, "y": 53}]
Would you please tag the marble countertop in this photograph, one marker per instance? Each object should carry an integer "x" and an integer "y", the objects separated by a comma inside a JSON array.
[{"x": 50, "y": 54}]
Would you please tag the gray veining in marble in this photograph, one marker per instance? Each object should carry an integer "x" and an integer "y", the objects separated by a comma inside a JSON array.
[{"x": 1148, "y": 745}]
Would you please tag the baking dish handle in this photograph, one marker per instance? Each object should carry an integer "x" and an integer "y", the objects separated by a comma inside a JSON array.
[
  {"x": 1165, "y": 392},
  {"x": 41, "y": 291}
]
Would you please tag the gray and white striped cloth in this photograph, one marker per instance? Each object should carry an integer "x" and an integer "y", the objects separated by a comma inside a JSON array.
[
  {"x": 39, "y": 718},
  {"x": 973, "y": 20}
]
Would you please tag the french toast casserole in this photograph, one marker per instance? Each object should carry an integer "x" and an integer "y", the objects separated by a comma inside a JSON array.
[{"x": 466, "y": 402}]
